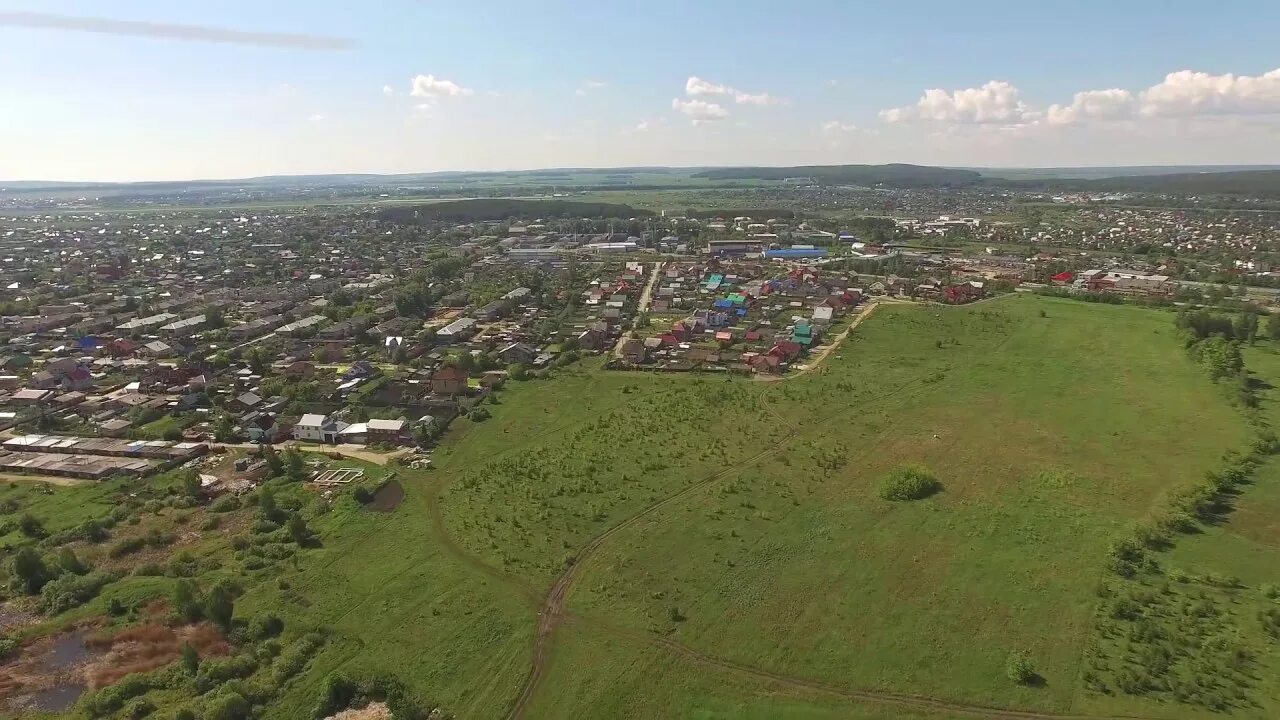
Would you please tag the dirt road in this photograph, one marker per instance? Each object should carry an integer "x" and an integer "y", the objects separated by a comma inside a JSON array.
[{"x": 646, "y": 297}]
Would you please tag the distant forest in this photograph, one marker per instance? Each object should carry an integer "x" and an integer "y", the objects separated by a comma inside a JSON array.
[
  {"x": 1254, "y": 183},
  {"x": 503, "y": 209},
  {"x": 894, "y": 175}
]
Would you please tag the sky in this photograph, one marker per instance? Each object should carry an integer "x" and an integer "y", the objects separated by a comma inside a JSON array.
[{"x": 157, "y": 90}]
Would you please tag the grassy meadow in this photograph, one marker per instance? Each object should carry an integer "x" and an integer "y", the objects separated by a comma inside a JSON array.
[{"x": 776, "y": 582}]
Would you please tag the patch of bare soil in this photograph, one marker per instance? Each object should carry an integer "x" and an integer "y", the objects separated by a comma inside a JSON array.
[
  {"x": 388, "y": 497},
  {"x": 147, "y": 647},
  {"x": 372, "y": 711}
]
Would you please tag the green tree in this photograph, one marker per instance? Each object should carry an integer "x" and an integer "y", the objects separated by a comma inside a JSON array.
[
  {"x": 31, "y": 526},
  {"x": 186, "y": 601},
  {"x": 1220, "y": 356},
  {"x": 30, "y": 571},
  {"x": 68, "y": 561},
  {"x": 295, "y": 466},
  {"x": 275, "y": 466},
  {"x": 190, "y": 659},
  {"x": 191, "y": 483},
  {"x": 220, "y": 605},
  {"x": 267, "y": 504},
  {"x": 298, "y": 530},
  {"x": 1019, "y": 669},
  {"x": 1273, "y": 326},
  {"x": 224, "y": 430}
]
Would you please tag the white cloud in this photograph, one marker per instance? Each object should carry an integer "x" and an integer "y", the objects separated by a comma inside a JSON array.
[
  {"x": 697, "y": 87},
  {"x": 1110, "y": 104},
  {"x": 995, "y": 102},
  {"x": 388, "y": 90},
  {"x": 700, "y": 110},
  {"x": 835, "y": 126},
  {"x": 1186, "y": 93},
  {"x": 316, "y": 118},
  {"x": 757, "y": 99},
  {"x": 587, "y": 87},
  {"x": 433, "y": 88},
  {"x": 642, "y": 126}
]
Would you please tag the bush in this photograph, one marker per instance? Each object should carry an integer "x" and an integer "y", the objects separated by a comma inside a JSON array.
[
  {"x": 127, "y": 547},
  {"x": 71, "y": 591},
  {"x": 1019, "y": 669},
  {"x": 226, "y": 503},
  {"x": 214, "y": 672},
  {"x": 909, "y": 483}
]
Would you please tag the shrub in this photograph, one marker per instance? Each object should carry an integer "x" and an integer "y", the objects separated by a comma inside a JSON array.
[
  {"x": 909, "y": 483},
  {"x": 214, "y": 672},
  {"x": 71, "y": 591},
  {"x": 1019, "y": 669},
  {"x": 226, "y": 503},
  {"x": 127, "y": 547}
]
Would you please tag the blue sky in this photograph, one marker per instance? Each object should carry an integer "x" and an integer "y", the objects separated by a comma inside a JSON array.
[{"x": 521, "y": 84}]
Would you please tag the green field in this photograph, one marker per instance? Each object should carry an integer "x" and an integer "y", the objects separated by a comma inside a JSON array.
[{"x": 718, "y": 548}]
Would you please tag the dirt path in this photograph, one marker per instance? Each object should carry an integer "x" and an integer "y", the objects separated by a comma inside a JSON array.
[
  {"x": 815, "y": 687},
  {"x": 553, "y": 609},
  {"x": 646, "y": 296},
  {"x": 346, "y": 451}
]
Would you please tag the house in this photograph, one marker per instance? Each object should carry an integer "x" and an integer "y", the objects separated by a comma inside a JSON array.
[
  {"x": 156, "y": 349},
  {"x": 518, "y": 353},
  {"x": 300, "y": 370},
  {"x": 592, "y": 340},
  {"x": 390, "y": 432},
  {"x": 262, "y": 428},
  {"x": 449, "y": 380},
  {"x": 634, "y": 352},
  {"x": 1062, "y": 278},
  {"x": 122, "y": 347},
  {"x": 962, "y": 293},
  {"x": 32, "y": 396},
  {"x": 823, "y": 313},
  {"x": 243, "y": 402},
  {"x": 115, "y": 427},
  {"x": 458, "y": 330},
  {"x": 318, "y": 428},
  {"x": 78, "y": 379}
]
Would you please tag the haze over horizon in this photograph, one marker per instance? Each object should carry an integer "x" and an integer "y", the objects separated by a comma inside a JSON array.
[{"x": 162, "y": 92}]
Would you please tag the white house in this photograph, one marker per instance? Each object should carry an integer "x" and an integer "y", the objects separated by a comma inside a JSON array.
[{"x": 318, "y": 428}]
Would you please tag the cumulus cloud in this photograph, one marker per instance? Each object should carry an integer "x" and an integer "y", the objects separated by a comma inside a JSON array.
[
  {"x": 700, "y": 111},
  {"x": 1185, "y": 93},
  {"x": 388, "y": 90},
  {"x": 434, "y": 88},
  {"x": 835, "y": 126},
  {"x": 316, "y": 118},
  {"x": 997, "y": 102},
  {"x": 697, "y": 87},
  {"x": 1110, "y": 104}
]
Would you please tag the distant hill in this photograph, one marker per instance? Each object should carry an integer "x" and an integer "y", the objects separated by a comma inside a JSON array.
[
  {"x": 895, "y": 175},
  {"x": 1252, "y": 183},
  {"x": 504, "y": 209}
]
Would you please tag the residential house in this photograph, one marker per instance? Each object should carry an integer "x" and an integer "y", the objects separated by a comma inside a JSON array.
[
  {"x": 518, "y": 353},
  {"x": 262, "y": 428},
  {"x": 390, "y": 432},
  {"x": 318, "y": 428},
  {"x": 449, "y": 380},
  {"x": 634, "y": 352}
]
